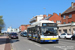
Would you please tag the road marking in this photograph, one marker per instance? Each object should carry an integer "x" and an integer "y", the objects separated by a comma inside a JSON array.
[
  {"x": 64, "y": 47},
  {"x": 62, "y": 43},
  {"x": 28, "y": 41},
  {"x": 32, "y": 43},
  {"x": 37, "y": 45},
  {"x": 11, "y": 47}
]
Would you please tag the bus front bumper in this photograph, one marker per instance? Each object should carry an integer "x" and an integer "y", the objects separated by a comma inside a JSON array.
[{"x": 49, "y": 40}]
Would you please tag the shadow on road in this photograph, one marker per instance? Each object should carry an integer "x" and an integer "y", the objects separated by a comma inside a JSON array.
[
  {"x": 14, "y": 40},
  {"x": 7, "y": 40},
  {"x": 45, "y": 42},
  {"x": 2, "y": 41}
]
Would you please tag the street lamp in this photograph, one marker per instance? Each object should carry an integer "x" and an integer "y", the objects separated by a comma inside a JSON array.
[{"x": 45, "y": 10}]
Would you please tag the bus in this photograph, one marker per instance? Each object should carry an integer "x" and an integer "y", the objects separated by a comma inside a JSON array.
[{"x": 43, "y": 31}]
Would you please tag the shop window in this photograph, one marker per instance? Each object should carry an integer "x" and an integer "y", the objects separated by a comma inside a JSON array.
[
  {"x": 73, "y": 30},
  {"x": 60, "y": 31},
  {"x": 70, "y": 30},
  {"x": 65, "y": 31}
]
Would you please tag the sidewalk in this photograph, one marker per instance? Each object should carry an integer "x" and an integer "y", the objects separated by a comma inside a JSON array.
[{"x": 4, "y": 43}]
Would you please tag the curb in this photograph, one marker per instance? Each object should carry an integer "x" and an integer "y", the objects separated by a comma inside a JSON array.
[
  {"x": 8, "y": 44},
  {"x": 11, "y": 47}
]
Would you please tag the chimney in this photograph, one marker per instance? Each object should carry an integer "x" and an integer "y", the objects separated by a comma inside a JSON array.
[
  {"x": 60, "y": 14},
  {"x": 44, "y": 16},
  {"x": 72, "y": 4},
  {"x": 49, "y": 15},
  {"x": 54, "y": 13}
]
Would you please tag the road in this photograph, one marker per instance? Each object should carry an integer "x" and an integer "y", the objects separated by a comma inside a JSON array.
[{"x": 24, "y": 44}]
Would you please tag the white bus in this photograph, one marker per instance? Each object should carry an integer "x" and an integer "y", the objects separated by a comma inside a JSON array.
[{"x": 43, "y": 31}]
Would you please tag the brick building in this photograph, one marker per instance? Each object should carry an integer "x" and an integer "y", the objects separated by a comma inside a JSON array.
[
  {"x": 55, "y": 17},
  {"x": 23, "y": 27},
  {"x": 68, "y": 21},
  {"x": 68, "y": 16}
]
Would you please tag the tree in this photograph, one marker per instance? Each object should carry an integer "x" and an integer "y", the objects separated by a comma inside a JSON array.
[{"x": 1, "y": 23}]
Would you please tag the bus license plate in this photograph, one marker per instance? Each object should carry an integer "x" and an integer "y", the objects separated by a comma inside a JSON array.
[{"x": 50, "y": 41}]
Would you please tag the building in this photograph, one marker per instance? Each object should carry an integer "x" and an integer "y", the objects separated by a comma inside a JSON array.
[
  {"x": 68, "y": 16},
  {"x": 36, "y": 18},
  {"x": 66, "y": 28},
  {"x": 23, "y": 27},
  {"x": 67, "y": 21},
  {"x": 10, "y": 29},
  {"x": 55, "y": 18}
]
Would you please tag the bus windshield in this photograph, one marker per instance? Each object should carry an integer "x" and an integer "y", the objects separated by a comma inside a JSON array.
[{"x": 49, "y": 31}]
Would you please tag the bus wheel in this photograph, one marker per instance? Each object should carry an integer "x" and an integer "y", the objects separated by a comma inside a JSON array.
[
  {"x": 39, "y": 41},
  {"x": 36, "y": 39},
  {"x": 28, "y": 38}
]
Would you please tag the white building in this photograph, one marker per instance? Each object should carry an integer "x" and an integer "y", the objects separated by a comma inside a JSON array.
[
  {"x": 10, "y": 29},
  {"x": 66, "y": 28},
  {"x": 36, "y": 18}
]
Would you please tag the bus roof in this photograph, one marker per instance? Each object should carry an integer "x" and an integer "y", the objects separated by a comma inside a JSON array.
[{"x": 39, "y": 23}]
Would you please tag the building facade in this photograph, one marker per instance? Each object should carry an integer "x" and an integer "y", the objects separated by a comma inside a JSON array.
[
  {"x": 66, "y": 28},
  {"x": 10, "y": 29},
  {"x": 68, "y": 16},
  {"x": 67, "y": 21},
  {"x": 36, "y": 18},
  {"x": 23, "y": 27},
  {"x": 55, "y": 18}
]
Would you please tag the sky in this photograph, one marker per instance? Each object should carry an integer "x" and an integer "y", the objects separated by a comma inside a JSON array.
[{"x": 18, "y": 12}]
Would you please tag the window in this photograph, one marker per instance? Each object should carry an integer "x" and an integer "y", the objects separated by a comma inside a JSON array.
[
  {"x": 64, "y": 22},
  {"x": 65, "y": 31},
  {"x": 58, "y": 21},
  {"x": 72, "y": 22},
  {"x": 73, "y": 30},
  {"x": 70, "y": 30},
  {"x": 60, "y": 31},
  {"x": 63, "y": 34},
  {"x": 64, "y": 17},
  {"x": 68, "y": 34},
  {"x": 52, "y": 21},
  {"x": 70, "y": 15}
]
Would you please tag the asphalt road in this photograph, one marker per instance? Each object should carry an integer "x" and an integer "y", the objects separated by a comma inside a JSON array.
[{"x": 24, "y": 44}]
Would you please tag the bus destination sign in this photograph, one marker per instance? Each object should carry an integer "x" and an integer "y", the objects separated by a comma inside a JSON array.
[{"x": 49, "y": 24}]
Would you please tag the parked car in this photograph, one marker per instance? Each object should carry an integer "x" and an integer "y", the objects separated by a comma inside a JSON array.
[
  {"x": 23, "y": 34},
  {"x": 65, "y": 35},
  {"x": 13, "y": 35},
  {"x": 73, "y": 37}
]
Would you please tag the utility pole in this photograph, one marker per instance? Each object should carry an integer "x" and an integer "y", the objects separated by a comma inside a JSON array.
[{"x": 45, "y": 10}]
